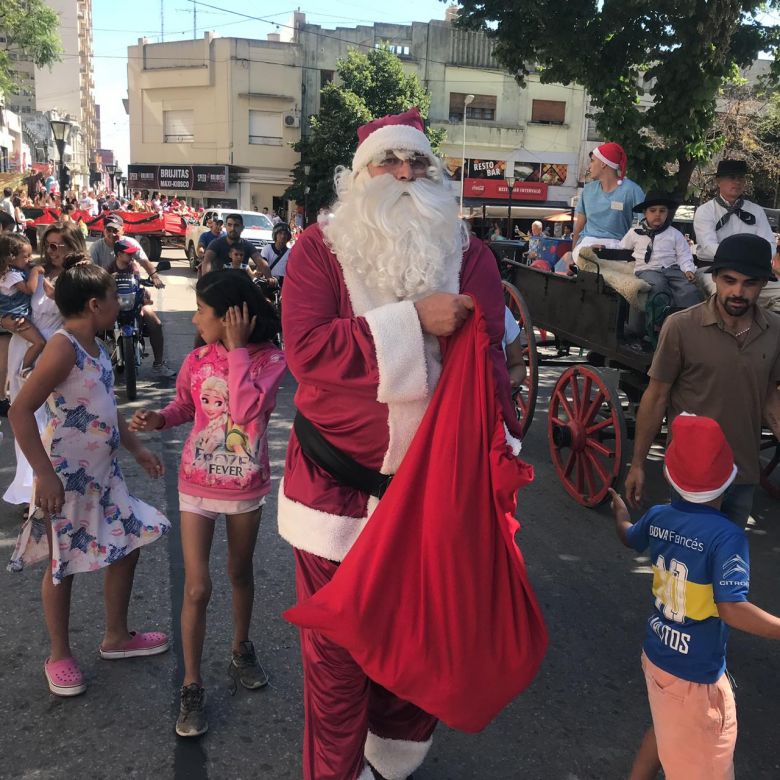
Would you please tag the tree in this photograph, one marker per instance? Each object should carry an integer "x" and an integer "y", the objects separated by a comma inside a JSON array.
[
  {"x": 676, "y": 52},
  {"x": 746, "y": 127},
  {"x": 371, "y": 84},
  {"x": 31, "y": 28}
]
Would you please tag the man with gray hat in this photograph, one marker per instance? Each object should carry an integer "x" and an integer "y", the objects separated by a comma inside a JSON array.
[
  {"x": 730, "y": 213},
  {"x": 720, "y": 359}
]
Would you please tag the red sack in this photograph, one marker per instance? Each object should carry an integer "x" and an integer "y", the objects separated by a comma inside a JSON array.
[{"x": 433, "y": 599}]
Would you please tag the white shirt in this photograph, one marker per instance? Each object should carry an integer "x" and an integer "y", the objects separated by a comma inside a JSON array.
[
  {"x": 708, "y": 215},
  {"x": 669, "y": 248},
  {"x": 269, "y": 255},
  {"x": 6, "y": 205}
]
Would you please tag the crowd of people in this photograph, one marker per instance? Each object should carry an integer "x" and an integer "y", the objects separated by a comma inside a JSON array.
[{"x": 374, "y": 295}]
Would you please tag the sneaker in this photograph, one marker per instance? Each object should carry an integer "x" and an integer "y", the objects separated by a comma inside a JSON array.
[
  {"x": 161, "y": 371},
  {"x": 246, "y": 669},
  {"x": 192, "y": 711}
]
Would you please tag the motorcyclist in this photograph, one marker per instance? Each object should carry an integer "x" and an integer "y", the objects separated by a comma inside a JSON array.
[{"x": 124, "y": 262}]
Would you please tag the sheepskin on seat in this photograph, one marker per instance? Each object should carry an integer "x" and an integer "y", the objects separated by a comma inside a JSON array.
[{"x": 618, "y": 275}]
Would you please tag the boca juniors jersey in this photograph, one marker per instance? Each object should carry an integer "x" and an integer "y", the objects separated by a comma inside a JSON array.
[{"x": 699, "y": 558}]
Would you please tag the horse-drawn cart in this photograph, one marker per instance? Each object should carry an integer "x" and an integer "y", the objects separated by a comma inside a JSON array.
[{"x": 592, "y": 410}]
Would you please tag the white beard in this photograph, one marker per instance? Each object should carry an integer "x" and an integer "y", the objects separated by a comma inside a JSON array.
[{"x": 401, "y": 237}]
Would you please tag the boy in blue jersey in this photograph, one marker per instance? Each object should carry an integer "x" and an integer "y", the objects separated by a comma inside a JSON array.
[{"x": 701, "y": 578}]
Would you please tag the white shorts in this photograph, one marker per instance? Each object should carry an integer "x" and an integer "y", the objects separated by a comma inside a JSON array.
[{"x": 212, "y": 508}]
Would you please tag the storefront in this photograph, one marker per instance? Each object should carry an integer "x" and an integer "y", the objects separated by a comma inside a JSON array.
[
  {"x": 541, "y": 190},
  {"x": 202, "y": 185}
]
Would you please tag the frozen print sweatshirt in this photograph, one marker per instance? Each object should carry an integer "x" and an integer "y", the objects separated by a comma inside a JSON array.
[{"x": 230, "y": 396}]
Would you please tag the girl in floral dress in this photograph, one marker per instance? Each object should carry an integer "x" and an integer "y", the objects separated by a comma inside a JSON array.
[{"x": 94, "y": 522}]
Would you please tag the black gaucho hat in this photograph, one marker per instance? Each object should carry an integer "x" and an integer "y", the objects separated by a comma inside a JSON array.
[
  {"x": 745, "y": 253},
  {"x": 731, "y": 168},
  {"x": 654, "y": 198}
]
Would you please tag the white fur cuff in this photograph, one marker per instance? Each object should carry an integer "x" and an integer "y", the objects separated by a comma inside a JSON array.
[
  {"x": 400, "y": 352},
  {"x": 319, "y": 533},
  {"x": 514, "y": 443},
  {"x": 395, "y": 759}
]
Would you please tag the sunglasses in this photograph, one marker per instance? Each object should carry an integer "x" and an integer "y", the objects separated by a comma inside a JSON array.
[{"x": 52, "y": 247}]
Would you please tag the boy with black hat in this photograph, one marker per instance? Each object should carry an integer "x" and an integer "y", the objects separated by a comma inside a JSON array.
[
  {"x": 662, "y": 257},
  {"x": 701, "y": 578}
]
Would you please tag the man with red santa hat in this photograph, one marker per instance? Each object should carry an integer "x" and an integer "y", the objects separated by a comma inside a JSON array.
[
  {"x": 368, "y": 294},
  {"x": 604, "y": 212}
]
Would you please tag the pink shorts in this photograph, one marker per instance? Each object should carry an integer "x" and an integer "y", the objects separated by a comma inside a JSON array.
[
  {"x": 212, "y": 508},
  {"x": 695, "y": 725}
]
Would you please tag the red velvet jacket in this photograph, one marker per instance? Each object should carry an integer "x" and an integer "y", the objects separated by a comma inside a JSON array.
[{"x": 366, "y": 373}]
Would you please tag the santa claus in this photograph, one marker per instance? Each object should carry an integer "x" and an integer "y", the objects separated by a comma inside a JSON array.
[{"x": 369, "y": 293}]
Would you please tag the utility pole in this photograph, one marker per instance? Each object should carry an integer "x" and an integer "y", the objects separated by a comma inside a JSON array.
[
  {"x": 162, "y": 20},
  {"x": 194, "y": 21}
]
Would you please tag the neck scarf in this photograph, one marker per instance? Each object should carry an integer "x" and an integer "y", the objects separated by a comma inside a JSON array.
[
  {"x": 745, "y": 216},
  {"x": 645, "y": 230}
]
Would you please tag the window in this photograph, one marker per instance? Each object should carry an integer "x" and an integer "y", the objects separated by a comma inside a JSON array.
[
  {"x": 265, "y": 127},
  {"x": 178, "y": 127},
  {"x": 326, "y": 77},
  {"x": 548, "y": 112},
  {"x": 399, "y": 49},
  {"x": 482, "y": 108}
]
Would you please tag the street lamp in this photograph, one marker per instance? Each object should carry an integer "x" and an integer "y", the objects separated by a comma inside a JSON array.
[
  {"x": 60, "y": 129},
  {"x": 111, "y": 171},
  {"x": 306, "y": 172},
  {"x": 510, "y": 182},
  {"x": 467, "y": 101},
  {"x": 120, "y": 181}
]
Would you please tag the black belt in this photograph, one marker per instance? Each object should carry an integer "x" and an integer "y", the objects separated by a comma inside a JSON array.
[{"x": 342, "y": 467}]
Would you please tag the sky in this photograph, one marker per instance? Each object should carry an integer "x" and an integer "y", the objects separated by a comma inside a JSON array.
[{"x": 117, "y": 25}]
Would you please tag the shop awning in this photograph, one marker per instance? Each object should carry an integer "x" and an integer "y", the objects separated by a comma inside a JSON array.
[{"x": 473, "y": 207}]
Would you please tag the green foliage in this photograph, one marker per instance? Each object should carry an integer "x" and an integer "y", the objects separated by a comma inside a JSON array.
[
  {"x": 371, "y": 84},
  {"x": 675, "y": 54},
  {"x": 30, "y": 27}
]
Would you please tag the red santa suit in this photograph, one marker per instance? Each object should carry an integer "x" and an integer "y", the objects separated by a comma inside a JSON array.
[{"x": 366, "y": 372}]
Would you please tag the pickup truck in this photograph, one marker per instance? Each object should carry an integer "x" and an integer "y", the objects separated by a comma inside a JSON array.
[{"x": 257, "y": 230}]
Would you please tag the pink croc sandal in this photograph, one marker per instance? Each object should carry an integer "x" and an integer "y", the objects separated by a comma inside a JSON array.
[
  {"x": 64, "y": 677},
  {"x": 142, "y": 643}
]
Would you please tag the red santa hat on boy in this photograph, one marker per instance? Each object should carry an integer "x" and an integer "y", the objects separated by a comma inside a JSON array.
[
  {"x": 612, "y": 154},
  {"x": 699, "y": 463},
  {"x": 404, "y": 131}
]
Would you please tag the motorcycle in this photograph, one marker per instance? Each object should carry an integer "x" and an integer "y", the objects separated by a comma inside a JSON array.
[{"x": 126, "y": 341}]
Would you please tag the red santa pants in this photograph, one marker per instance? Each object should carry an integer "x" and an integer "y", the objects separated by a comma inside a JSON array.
[{"x": 348, "y": 718}]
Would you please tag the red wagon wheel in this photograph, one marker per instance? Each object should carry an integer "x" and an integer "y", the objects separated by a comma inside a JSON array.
[
  {"x": 770, "y": 474},
  {"x": 525, "y": 396},
  {"x": 586, "y": 431}
]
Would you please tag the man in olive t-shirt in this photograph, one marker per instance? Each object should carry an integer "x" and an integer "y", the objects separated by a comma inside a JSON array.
[
  {"x": 217, "y": 254},
  {"x": 719, "y": 359}
]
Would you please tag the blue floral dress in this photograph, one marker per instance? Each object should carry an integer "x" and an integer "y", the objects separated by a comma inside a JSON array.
[{"x": 100, "y": 521}]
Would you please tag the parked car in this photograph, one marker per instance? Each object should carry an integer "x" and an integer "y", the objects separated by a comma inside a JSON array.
[{"x": 257, "y": 230}]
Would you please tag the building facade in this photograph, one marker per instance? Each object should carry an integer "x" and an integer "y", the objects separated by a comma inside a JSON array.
[
  {"x": 65, "y": 89},
  {"x": 534, "y": 133},
  {"x": 215, "y": 103}
]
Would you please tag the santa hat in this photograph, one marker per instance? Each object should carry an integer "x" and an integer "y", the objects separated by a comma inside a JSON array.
[
  {"x": 612, "y": 154},
  {"x": 404, "y": 131},
  {"x": 699, "y": 463}
]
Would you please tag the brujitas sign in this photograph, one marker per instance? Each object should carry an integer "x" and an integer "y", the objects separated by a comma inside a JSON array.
[{"x": 180, "y": 178}]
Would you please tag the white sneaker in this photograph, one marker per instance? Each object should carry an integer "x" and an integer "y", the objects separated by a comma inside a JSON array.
[{"x": 162, "y": 371}]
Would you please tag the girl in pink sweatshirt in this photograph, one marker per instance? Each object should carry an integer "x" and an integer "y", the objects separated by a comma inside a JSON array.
[{"x": 228, "y": 389}]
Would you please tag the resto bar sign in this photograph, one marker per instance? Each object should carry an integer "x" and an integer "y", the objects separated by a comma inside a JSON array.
[{"x": 181, "y": 178}]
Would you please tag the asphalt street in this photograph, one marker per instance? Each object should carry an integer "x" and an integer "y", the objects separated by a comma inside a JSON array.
[{"x": 582, "y": 718}]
